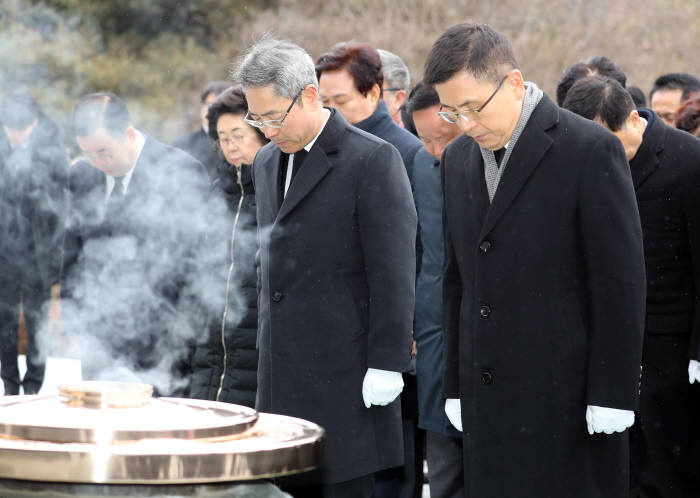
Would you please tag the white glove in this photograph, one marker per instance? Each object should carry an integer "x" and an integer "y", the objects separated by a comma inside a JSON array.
[
  {"x": 694, "y": 371},
  {"x": 608, "y": 420},
  {"x": 453, "y": 410},
  {"x": 381, "y": 387}
]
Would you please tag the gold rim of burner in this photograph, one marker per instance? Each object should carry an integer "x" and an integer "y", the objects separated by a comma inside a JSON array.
[{"x": 105, "y": 394}]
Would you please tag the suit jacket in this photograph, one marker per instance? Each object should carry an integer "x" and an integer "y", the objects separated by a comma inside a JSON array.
[
  {"x": 133, "y": 279},
  {"x": 666, "y": 174},
  {"x": 543, "y": 308},
  {"x": 337, "y": 268}
]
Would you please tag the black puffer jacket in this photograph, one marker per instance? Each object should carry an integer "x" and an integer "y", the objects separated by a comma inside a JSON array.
[{"x": 225, "y": 362}]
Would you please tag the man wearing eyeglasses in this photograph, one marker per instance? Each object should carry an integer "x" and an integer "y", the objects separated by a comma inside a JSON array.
[
  {"x": 543, "y": 284},
  {"x": 337, "y": 229},
  {"x": 134, "y": 262}
]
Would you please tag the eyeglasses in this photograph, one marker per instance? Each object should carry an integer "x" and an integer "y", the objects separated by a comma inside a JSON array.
[
  {"x": 272, "y": 123},
  {"x": 469, "y": 114},
  {"x": 225, "y": 142},
  {"x": 99, "y": 155},
  {"x": 391, "y": 89}
]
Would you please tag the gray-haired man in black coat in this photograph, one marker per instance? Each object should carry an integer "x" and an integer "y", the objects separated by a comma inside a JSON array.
[{"x": 337, "y": 269}]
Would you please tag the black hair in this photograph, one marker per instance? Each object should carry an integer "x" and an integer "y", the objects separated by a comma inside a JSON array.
[
  {"x": 600, "y": 98},
  {"x": 100, "y": 110},
  {"x": 215, "y": 87},
  {"x": 19, "y": 109},
  {"x": 637, "y": 95},
  {"x": 676, "y": 81},
  {"x": 593, "y": 65},
  {"x": 230, "y": 101},
  {"x": 477, "y": 49},
  {"x": 422, "y": 96}
]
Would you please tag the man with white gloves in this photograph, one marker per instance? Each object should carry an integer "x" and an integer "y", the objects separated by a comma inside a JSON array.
[
  {"x": 544, "y": 282},
  {"x": 337, "y": 232}
]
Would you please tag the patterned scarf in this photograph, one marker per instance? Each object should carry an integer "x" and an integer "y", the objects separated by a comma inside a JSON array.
[{"x": 492, "y": 173}]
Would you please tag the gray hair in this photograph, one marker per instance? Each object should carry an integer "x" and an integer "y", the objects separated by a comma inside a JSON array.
[
  {"x": 395, "y": 71},
  {"x": 282, "y": 64}
]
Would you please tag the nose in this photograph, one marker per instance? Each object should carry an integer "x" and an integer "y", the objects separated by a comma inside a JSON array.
[
  {"x": 465, "y": 125},
  {"x": 270, "y": 132}
]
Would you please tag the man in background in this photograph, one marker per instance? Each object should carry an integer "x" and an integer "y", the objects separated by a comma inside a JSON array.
[
  {"x": 33, "y": 174},
  {"x": 443, "y": 441},
  {"x": 397, "y": 82},
  {"x": 665, "y": 165},
  {"x": 197, "y": 143},
  {"x": 669, "y": 92},
  {"x": 135, "y": 262}
]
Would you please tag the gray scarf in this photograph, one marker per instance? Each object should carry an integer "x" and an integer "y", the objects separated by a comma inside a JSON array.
[{"x": 492, "y": 173}]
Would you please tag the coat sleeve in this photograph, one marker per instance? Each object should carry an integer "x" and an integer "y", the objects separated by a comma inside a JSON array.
[
  {"x": 451, "y": 304},
  {"x": 387, "y": 226},
  {"x": 691, "y": 209},
  {"x": 611, "y": 238}
]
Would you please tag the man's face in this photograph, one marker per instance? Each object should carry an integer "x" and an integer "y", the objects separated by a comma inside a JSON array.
[
  {"x": 113, "y": 156},
  {"x": 631, "y": 134},
  {"x": 18, "y": 138},
  {"x": 433, "y": 131},
  {"x": 338, "y": 90},
  {"x": 205, "y": 108},
  {"x": 496, "y": 122},
  {"x": 298, "y": 128},
  {"x": 394, "y": 99},
  {"x": 665, "y": 103}
]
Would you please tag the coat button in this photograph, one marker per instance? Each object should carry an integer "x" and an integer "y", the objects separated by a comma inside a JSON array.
[
  {"x": 486, "y": 377},
  {"x": 485, "y": 246},
  {"x": 277, "y": 296},
  {"x": 485, "y": 311}
]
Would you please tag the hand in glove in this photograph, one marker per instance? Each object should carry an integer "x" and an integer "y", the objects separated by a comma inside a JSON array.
[
  {"x": 608, "y": 420},
  {"x": 694, "y": 371},
  {"x": 381, "y": 387},
  {"x": 453, "y": 410}
]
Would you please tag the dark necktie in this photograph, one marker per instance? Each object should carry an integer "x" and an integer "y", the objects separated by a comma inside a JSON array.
[
  {"x": 116, "y": 197},
  {"x": 499, "y": 155}
]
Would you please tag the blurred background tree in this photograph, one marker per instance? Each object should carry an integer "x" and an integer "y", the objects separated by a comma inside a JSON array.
[{"x": 158, "y": 54}]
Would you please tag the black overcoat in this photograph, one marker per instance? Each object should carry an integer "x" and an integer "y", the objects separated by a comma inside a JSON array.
[
  {"x": 544, "y": 303},
  {"x": 665, "y": 438},
  {"x": 337, "y": 273}
]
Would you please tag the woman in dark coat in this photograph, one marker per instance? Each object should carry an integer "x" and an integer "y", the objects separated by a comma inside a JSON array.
[{"x": 226, "y": 360}]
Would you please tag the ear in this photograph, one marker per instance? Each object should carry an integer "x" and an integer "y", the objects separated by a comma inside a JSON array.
[
  {"x": 130, "y": 133},
  {"x": 516, "y": 83},
  {"x": 374, "y": 93},
  {"x": 311, "y": 97},
  {"x": 634, "y": 121},
  {"x": 399, "y": 99}
]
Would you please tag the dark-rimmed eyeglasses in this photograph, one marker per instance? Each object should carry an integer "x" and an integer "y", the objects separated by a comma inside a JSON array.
[
  {"x": 469, "y": 114},
  {"x": 271, "y": 123}
]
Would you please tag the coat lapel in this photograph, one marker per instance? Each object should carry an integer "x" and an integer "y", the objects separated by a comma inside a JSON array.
[
  {"x": 646, "y": 160},
  {"x": 316, "y": 165},
  {"x": 533, "y": 144},
  {"x": 478, "y": 193}
]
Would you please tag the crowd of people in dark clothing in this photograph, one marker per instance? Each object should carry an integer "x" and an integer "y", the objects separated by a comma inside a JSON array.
[{"x": 460, "y": 271}]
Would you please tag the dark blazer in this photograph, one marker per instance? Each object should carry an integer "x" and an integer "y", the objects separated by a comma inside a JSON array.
[
  {"x": 200, "y": 146},
  {"x": 337, "y": 263},
  {"x": 543, "y": 308},
  {"x": 133, "y": 281}
]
